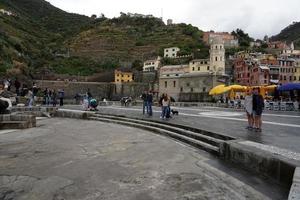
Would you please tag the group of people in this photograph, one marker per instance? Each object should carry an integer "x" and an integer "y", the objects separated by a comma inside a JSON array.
[
  {"x": 254, "y": 106},
  {"x": 51, "y": 97}
]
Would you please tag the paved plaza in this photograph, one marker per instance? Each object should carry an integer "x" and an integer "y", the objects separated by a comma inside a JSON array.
[{"x": 86, "y": 160}]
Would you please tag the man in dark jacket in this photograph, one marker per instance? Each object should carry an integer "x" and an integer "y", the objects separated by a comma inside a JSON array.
[
  {"x": 149, "y": 100},
  {"x": 144, "y": 98},
  {"x": 258, "y": 106}
]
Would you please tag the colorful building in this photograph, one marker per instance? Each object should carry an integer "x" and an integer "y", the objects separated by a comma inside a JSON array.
[{"x": 123, "y": 76}]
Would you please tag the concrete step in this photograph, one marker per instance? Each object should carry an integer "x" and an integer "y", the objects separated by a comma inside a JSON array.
[
  {"x": 204, "y": 138},
  {"x": 15, "y": 125},
  {"x": 193, "y": 142}
]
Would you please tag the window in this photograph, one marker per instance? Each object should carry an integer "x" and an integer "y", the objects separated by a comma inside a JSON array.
[
  {"x": 176, "y": 74},
  {"x": 207, "y": 68},
  {"x": 284, "y": 78},
  {"x": 181, "y": 89},
  {"x": 216, "y": 47},
  {"x": 166, "y": 84},
  {"x": 290, "y": 78},
  {"x": 167, "y": 55},
  {"x": 118, "y": 75},
  {"x": 192, "y": 89},
  {"x": 188, "y": 84},
  {"x": 173, "y": 49},
  {"x": 205, "y": 62},
  {"x": 193, "y": 62},
  {"x": 198, "y": 68},
  {"x": 216, "y": 58},
  {"x": 167, "y": 50},
  {"x": 118, "y": 80},
  {"x": 122, "y": 75},
  {"x": 295, "y": 78},
  {"x": 173, "y": 54},
  {"x": 204, "y": 89},
  {"x": 174, "y": 83},
  {"x": 299, "y": 78},
  {"x": 193, "y": 68},
  {"x": 220, "y": 46}
]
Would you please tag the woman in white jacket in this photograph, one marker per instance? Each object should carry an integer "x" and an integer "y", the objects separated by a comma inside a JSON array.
[{"x": 249, "y": 108}]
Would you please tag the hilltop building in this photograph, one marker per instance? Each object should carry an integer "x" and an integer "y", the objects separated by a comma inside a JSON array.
[
  {"x": 151, "y": 65},
  {"x": 229, "y": 40},
  {"x": 171, "y": 52}
]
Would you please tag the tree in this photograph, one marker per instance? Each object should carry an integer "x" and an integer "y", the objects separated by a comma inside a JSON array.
[
  {"x": 138, "y": 65},
  {"x": 244, "y": 38}
]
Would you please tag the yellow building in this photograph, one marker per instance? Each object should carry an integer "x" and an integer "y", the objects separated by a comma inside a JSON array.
[{"x": 123, "y": 76}]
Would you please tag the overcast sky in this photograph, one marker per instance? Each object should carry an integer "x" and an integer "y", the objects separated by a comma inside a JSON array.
[{"x": 257, "y": 17}]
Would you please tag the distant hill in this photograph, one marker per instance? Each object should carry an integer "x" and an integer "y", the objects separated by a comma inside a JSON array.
[
  {"x": 128, "y": 38},
  {"x": 37, "y": 34},
  {"x": 290, "y": 34}
]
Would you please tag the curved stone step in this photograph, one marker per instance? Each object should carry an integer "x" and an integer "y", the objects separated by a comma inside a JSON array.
[
  {"x": 193, "y": 142},
  {"x": 204, "y": 138}
]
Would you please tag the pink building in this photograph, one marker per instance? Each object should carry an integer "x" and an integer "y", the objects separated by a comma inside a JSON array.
[
  {"x": 260, "y": 75},
  {"x": 242, "y": 72}
]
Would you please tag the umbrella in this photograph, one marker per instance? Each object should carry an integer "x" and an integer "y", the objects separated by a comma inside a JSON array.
[
  {"x": 289, "y": 87},
  {"x": 220, "y": 89},
  {"x": 237, "y": 88}
]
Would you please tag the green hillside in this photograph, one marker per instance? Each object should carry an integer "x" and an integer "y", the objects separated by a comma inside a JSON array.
[
  {"x": 290, "y": 34},
  {"x": 37, "y": 32}
]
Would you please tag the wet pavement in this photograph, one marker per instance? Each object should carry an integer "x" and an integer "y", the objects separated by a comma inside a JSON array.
[
  {"x": 280, "y": 129},
  {"x": 88, "y": 160}
]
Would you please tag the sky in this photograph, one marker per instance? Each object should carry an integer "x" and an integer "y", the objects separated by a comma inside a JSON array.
[{"x": 256, "y": 17}]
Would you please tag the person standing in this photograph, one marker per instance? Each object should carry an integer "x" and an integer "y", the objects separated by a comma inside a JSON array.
[
  {"x": 144, "y": 98},
  {"x": 165, "y": 106},
  {"x": 89, "y": 97},
  {"x": 54, "y": 98},
  {"x": 149, "y": 100},
  {"x": 248, "y": 104},
  {"x": 61, "y": 95},
  {"x": 258, "y": 106},
  {"x": 30, "y": 98},
  {"x": 17, "y": 86}
]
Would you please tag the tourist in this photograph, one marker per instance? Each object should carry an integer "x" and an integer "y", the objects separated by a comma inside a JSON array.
[
  {"x": 144, "y": 98},
  {"x": 54, "y": 98},
  {"x": 165, "y": 106},
  {"x": 149, "y": 100},
  {"x": 258, "y": 106},
  {"x": 248, "y": 104},
  {"x": 30, "y": 98},
  {"x": 89, "y": 97},
  {"x": 61, "y": 95},
  {"x": 17, "y": 86}
]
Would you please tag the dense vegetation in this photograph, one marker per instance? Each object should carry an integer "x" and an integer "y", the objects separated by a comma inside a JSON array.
[{"x": 290, "y": 34}]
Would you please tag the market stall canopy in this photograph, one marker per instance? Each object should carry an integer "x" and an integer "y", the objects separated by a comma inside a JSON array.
[
  {"x": 289, "y": 87},
  {"x": 237, "y": 88},
  {"x": 220, "y": 89}
]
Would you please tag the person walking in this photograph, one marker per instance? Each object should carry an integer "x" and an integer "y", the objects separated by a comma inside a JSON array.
[
  {"x": 258, "y": 106},
  {"x": 61, "y": 95},
  {"x": 248, "y": 104},
  {"x": 30, "y": 98},
  {"x": 144, "y": 98},
  {"x": 54, "y": 98},
  {"x": 89, "y": 97},
  {"x": 149, "y": 100}
]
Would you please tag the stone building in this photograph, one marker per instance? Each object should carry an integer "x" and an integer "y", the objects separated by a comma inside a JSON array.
[
  {"x": 217, "y": 56},
  {"x": 192, "y": 82},
  {"x": 229, "y": 40}
]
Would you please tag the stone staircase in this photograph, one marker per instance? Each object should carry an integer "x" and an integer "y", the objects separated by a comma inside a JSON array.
[{"x": 17, "y": 121}]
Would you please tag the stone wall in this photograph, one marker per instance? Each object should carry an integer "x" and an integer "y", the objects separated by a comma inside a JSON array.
[{"x": 110, "y": 91}]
